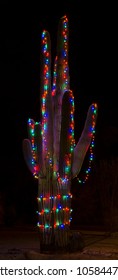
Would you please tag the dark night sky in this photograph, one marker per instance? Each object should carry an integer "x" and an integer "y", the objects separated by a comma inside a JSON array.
[{"x": 92, "y": 62}]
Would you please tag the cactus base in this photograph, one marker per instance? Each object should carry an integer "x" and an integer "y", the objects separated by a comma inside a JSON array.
[{"x": 75, "y": 243}]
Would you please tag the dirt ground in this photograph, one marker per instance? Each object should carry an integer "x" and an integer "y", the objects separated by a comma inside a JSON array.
[{"x": 23, "y": 244}]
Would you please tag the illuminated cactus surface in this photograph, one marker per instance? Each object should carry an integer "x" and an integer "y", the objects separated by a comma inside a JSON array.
[{"x": 50, "y": 151}]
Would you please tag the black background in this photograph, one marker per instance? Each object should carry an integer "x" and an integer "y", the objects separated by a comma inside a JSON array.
[{"x": 93, "y": 78}]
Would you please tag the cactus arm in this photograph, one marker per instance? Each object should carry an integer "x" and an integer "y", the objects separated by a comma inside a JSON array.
[
  {"x": 67, "y": 135},
  {"x": 63, "y": 79},
  {"x": 27, "y": 153},
  {"x": 32, "y": 148},
  {"x": 54, "y": 79},
  {"x": 38, "y": 144},
  {"x": 84, "y": 142},
  {"x": 32, "y": 133},
  {"x": 46, "y": 99},
  {"x": 60, "y": 84}
]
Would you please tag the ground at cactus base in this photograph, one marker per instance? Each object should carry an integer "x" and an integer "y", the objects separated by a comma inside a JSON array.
[{"x": 23, "y": 243}]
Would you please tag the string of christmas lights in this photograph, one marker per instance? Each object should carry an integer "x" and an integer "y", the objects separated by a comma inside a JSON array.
[
  {"x": 55, "y": 159},
  {"x": 91, "y": 148}
]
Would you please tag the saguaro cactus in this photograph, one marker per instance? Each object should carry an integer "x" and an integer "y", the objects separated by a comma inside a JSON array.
[{"x": 50, "y": 152}]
